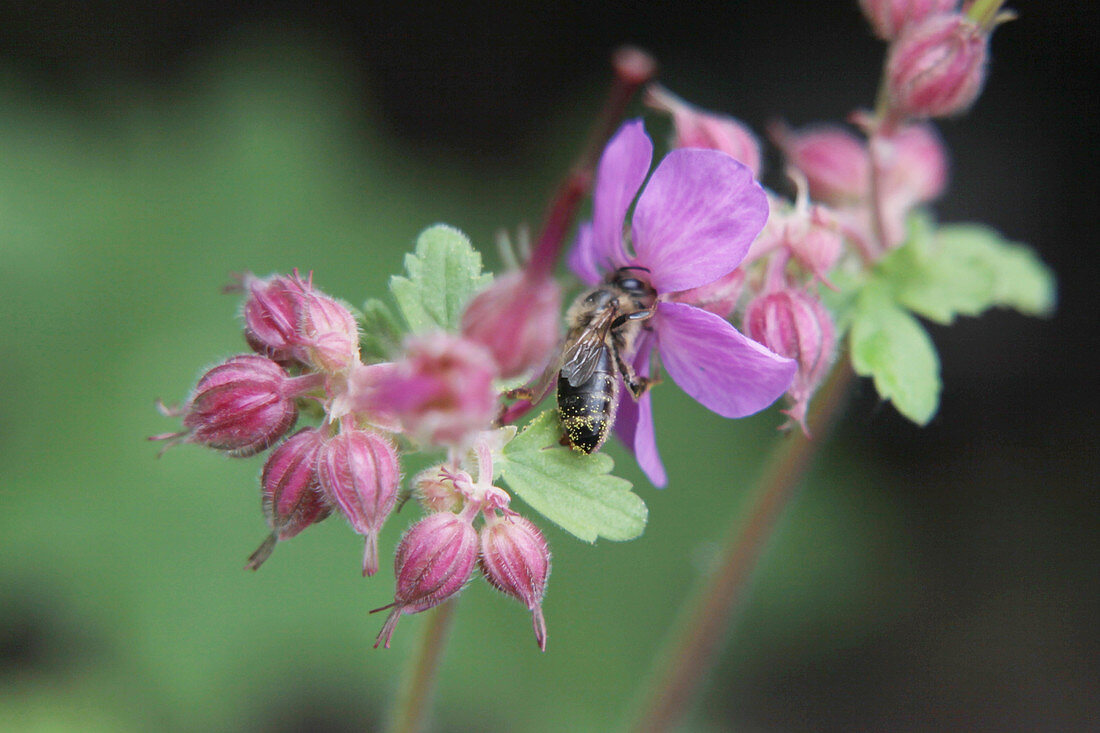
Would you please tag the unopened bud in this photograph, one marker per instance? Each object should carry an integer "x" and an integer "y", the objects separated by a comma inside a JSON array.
[
  {"x": 327, "y": 331},
  {"x": 358, "y": 472},
  {"x": 890, "y": 17},
  {"x": 834, "y": 161},
  {"x": 516, "y": 319},
  {"x": 292, "y": 499},
  {"x": 441, "y": 391},
  {"x": 271, "y": 316},
  {"x": 815, "y": 240},
  {"x": 794, "y": 324},
  {"x": 241, "y": 406},
  {"x": 436, "y": 491},
  {"x": 433, "y": 562},
  {"x": 937, "y": 67},
  {"x": 696, "y": 128},
  {"x": 914, "y": 163},
  {"x": 516, "y": 561}
]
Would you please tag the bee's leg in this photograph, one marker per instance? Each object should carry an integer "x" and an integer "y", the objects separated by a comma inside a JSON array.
[
  {"x": 638, "y": 385},
  {"x": 536, "y": 390},
  {"x": 641, "y": 315}
]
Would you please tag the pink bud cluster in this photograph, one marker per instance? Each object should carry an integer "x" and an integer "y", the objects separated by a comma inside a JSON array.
[
  {"x": 438, "y": 554},
  {"x": 439, "y": 392}
]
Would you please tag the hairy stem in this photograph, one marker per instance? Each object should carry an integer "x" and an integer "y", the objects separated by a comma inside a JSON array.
[
  {"x": 633, "y": 68},
  {"x": 414, "y": 698},
  {"x": 700, "y": 635}
]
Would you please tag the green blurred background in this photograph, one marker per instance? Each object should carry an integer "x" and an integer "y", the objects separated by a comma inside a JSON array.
[{"x": 942, "y": 578}]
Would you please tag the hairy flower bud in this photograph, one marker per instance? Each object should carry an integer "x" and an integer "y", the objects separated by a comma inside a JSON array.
[
  {"x": 890, "y": 17},
  {"x": 436, "y": 491},
  {"x": 358, "y": 472},
  {"x": 241, "y": 406},
  {"x": 516, "y": 319},
  {"x": 834, "y": 161},
  {"x": 433, "y": 562},
  {"x": 937, "y": 67},
  {"x": 327, "y": 331},
  {"x": 815, "y": 240},
  {"x": 441, "y": 391},
  {"x": 292, "y": 499},
  {"x": 914, "y": 163},
  {"x": 794, "y": 324},
  {"x": 271, "y": 316},
  {"x": 516, "y": 561},
  {"x": 695, "y": 128}
]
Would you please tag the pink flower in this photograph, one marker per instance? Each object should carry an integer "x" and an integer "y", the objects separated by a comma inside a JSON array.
[
  {"x": 358, "y": 472},
  {"x": 292, "y": 498},
  {"x": 937, "y": 67},
  {"x": 441, "y": 391},
  {"x": 696, "y": 128},
  {"x": 516, "y": 561},
  {"x": 795, "y": 324},
  {"x": 692, "y": 224},
  {"x": 833, "y": 160},
  {"x": 516, "y": 319},
  {"x": 434, "y": 560},
  {"x": 241, "y": 406}
]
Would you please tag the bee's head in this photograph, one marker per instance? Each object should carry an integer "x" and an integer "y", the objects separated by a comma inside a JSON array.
[{"x": 632, "y": 282}]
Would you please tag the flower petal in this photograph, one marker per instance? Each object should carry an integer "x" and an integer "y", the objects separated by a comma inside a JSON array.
[
  {"x": 634, "y": 425},
  {"x": 713, "y": 362},
  {"x": 696, "y": 218},
  {"x": 582, "y": 258},
  {"x": 623, "y": 166}
]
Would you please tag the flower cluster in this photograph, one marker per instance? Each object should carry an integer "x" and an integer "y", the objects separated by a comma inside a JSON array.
[
  {"x": 854, "y": 194},
  {"x": 439, "y": 391}
]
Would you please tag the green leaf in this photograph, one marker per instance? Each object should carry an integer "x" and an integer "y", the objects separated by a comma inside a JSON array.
[
  {"x": 571, "y": 489},
  {"x": 890, "y": 345},
  {"x": 381, "y": 331},
  {"x": 965, "y": 270},
  {"x": 442, "y": 275},
  {"x": 1020, "y": 279}
]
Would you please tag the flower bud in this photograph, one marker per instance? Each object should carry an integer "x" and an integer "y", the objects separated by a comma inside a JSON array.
[
  {"x": 358, "y": 472},
  {"x": 241, "y": 406},
  {"x": 327, "y": 331},
  {"x": 441, "y": 391},
  {"x": 719, "y": 297},
  {"x": 292, "y": 499},
  {"x": 937, "y": 67},
  {"x": 834, "y": 161},
  {"x": 695, "y": 128},
  {"x": 434, "y": 560},
  {"x": 890, "y": 17},
  {"x": 914, "y": 163},
  {"x": 436, "y": 491},
  {"x": 794, "y": 324},
  {"x": 516, "y": 561},
  {"x": 516, "y": 319},
  {"x": 815, "y": 240},
  {"x": 271, "y": 316}
]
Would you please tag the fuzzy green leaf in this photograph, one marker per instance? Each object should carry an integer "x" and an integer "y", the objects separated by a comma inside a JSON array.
[
  {"x": 571, "y": 489},
  {"x": 964, "y": 270},
  {"x": 891, "y": 346},
  {"x": 381, "y": 331},
  {"x": 442, "y": 275}
]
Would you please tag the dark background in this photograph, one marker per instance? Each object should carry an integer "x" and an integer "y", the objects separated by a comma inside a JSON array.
[{"x": 989, "y": 620}]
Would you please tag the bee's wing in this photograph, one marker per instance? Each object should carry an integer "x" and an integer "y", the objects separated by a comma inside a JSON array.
[{"x": 580, "y": 359}]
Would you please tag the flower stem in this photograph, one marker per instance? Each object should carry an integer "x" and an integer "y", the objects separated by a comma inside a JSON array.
[
  {"x": 414, "y": 698},
  {"x": 700, "y": 635},
  {"x": 633, "y": 68}
]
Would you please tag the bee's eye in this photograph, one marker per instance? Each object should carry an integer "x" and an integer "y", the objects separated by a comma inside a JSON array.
[{"x": 631, "y": 284}]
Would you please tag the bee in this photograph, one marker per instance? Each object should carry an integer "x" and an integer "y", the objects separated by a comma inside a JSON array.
[{"x": 603, "y": 325}]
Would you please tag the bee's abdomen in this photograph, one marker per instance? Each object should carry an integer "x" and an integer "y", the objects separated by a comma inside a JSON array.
[{"x": 588, "y": 410}]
